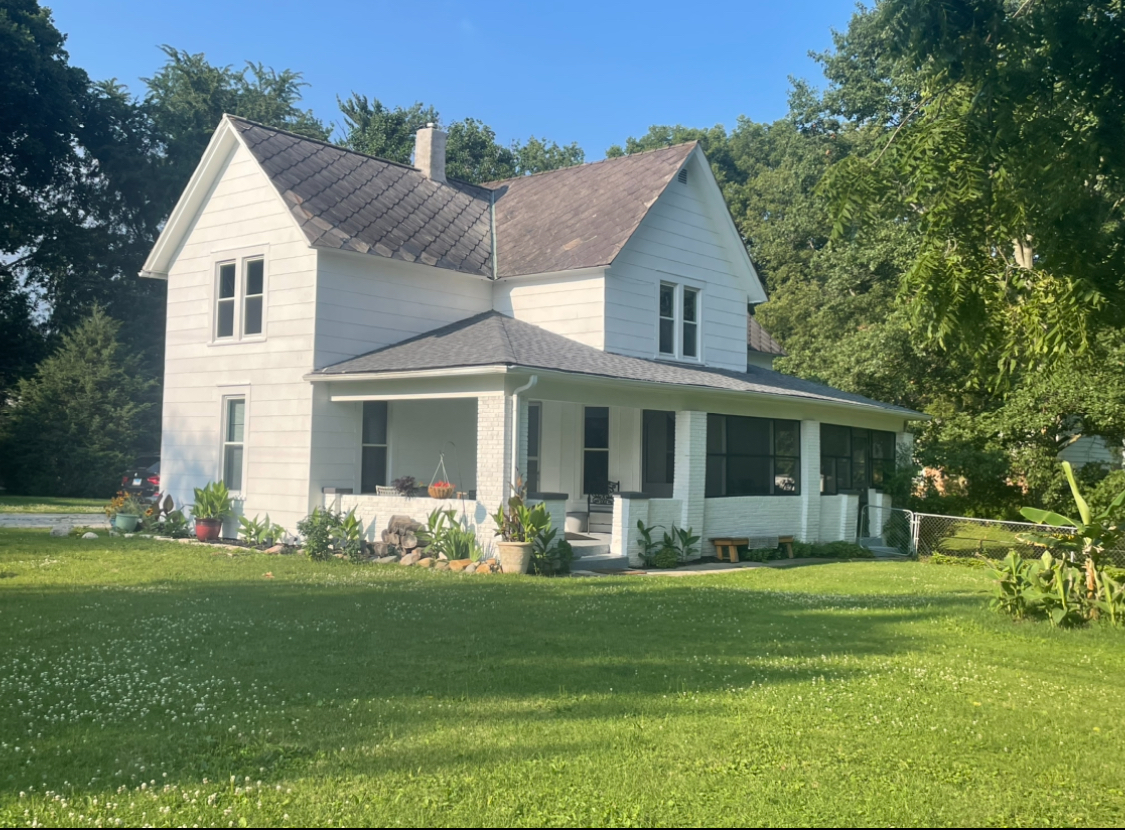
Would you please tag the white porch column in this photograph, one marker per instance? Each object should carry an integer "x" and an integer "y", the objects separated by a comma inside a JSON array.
[
  {"x": 810, "y": 481},
  {"x": 493, "y": 449},
  {"x": 691, "y": 471}
]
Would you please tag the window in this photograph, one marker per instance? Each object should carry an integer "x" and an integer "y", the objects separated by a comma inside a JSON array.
[
  {"x": 854, "y": 459},
  {"x": 752, "y": 456},
  {"x": 691, "y": 323},
  {"x": 234, "y": 442},
  {"x": 373, "y": 472},
  {"x": 667, "y": 318},
  {"x": 678, "y": 324},
  {"x": 595, "y": 453},
  {"x": 255, "y": 293},
  {"x": 534, "y": 418},
  {"x": 240, "y": 299},
  {"x": 224, "y": 326}
]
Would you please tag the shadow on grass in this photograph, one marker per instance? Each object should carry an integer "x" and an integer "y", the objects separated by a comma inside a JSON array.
[{"x": 339, "y": 666}]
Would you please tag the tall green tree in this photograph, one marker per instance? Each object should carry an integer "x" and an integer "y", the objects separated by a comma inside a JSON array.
[
  {"x": 472, "y": 152},
  {"x": 72, "y": 428}
]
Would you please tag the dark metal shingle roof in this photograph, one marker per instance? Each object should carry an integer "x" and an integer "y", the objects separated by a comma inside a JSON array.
[
  {"x": 346, "y": 200},
  {"x": 493, "y": 339}
]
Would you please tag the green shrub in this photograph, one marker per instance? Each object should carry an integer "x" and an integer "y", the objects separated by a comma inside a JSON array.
[
  {"x": 649, "y": 546},
  {"x": 831, "y": 550},
  {"x": 963, "y": 561},
  {"x": 327, "y": 533},
  {"x": 1066, "y": 594},
  {"x": 444, "y": 535},
  {"x": 257, "y": 533},
  {"x": 551, "y": 556},
  {"x": 666, "y": 558},
  {"x": 761, "y": 554}
]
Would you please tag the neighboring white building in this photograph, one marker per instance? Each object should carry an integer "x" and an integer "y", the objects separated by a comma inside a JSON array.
[{"x": 337, "y": 321}]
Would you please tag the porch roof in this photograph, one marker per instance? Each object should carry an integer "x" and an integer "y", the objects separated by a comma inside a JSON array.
[{"x": 492, "y": 339}]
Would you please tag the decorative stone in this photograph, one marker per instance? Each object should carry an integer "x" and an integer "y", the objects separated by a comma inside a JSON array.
[
  {"x": 276, "y": 549},
  {"x": 460, "y": 564},
  {"x": 470, "y": 568},
  {"x": 407, "y": 540},
  {"x": 410, "y": 559},
  {"x": 441, "y": 565},
  {"x": 89, "y": 535},
  {"x": 426, "y": 563},
  {"x": 442, "y": 556},
  {"x": 386, "y": 560},
  {"x": 130, "y": 535},
  {"x": 61, "y": 530},
  {"x": 398, "y": 524}
]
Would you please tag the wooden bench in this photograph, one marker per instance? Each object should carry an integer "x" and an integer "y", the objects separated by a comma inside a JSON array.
[{"x": 726, "y": 547}]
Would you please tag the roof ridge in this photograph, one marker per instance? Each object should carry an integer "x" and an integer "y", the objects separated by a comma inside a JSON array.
[
  {"x": 342, "y": 149},
  {"x": 492, "y": 185}
]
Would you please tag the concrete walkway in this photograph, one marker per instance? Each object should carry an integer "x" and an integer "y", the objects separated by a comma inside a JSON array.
[
  {"x": 701, "y": 568},
  {"x": 49, "y": 520}
]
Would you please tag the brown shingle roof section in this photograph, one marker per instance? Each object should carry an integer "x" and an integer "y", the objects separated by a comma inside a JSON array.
[
  {"x": 578, "y": 217},
  {"x": 759, "y": 340},
  {"x": 492, "y": 339},
  {"x": 354, "y": 202}
]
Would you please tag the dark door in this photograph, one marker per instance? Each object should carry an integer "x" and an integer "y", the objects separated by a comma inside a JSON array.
[{"x": 658, "y": 453}]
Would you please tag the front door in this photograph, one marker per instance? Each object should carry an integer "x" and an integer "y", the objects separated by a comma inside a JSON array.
[{"x": 658, "y": 453}]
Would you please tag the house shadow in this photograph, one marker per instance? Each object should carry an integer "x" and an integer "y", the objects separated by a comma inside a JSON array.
[{"x": 401, "y": 657}]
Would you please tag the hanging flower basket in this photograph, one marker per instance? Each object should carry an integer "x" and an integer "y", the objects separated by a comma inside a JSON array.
[{"x": 441, "y": 490}]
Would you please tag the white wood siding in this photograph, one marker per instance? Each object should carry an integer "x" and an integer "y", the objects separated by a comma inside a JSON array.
[
  {"x": 678, "y": 241},
  {"x": 363, "y": 303},
  {"x": 573, "y": 306},
  {"x": 241, "y": 214}
]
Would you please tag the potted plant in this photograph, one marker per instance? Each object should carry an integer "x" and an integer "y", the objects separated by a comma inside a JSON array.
[
  {"x": 212, "y": 505},
  {"x": 125, "y": 511},
  {"x": 518, "y": 527}
]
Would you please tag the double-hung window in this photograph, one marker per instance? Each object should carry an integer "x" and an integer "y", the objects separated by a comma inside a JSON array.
[
  {"x": 752, "y": 456},
  {"x": 234, "y": 442},
  {"x": 240, "y": 298},
  {"x": 678, "y": 324},
  {"x": 595, "y": 451},
  {"x": 374, "y": 463}
]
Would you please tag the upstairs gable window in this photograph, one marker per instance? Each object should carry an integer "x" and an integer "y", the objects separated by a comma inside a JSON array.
[
  {"x": 678, "y": 325},
  {"x": 240, "y": 299}
]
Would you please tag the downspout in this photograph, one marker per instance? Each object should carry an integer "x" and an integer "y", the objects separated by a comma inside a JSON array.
[{"x": 516, "y": 430}]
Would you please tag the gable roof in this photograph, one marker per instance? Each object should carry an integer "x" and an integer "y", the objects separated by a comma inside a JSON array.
[
  {"x": 347, "y": 200},
  {"x": 560, "y": 220},
  {"x": 493, "y": 339},
  {"x": 759, "y": 340},
  {"x": 581, "y": 216}
]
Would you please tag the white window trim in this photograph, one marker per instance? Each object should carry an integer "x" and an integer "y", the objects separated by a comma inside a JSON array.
[
  {"x": 239, "y": 257},
  {"x": 226, "y": 394},
  {"x": 677, "y": 353}
]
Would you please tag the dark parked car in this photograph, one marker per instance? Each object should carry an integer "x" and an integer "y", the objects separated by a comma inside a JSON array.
[{"x": 143, "y": 478}]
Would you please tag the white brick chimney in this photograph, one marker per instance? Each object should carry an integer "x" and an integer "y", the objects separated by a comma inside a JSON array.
[{"x": 429, "y": 152}]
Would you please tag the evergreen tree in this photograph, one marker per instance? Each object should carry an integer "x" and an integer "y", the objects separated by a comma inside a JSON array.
[{"x": 72, "y": 428}]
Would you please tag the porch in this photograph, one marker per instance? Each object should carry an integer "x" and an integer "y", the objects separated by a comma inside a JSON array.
[{"x": 601, "y": 457}]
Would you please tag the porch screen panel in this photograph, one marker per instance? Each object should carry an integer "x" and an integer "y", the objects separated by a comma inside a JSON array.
[
  {"x": 659, "y": 446},
  {"x": 534, "y": 418},
  {"x": 595, "y": 461},
  {"x": 882, "y": 457},
  {"x": 374, "y": 464},
  {"x": 852, "y": 458},
  {"x": 752, "y": 456}
]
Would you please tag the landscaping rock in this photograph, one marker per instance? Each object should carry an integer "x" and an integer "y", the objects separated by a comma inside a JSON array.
[
  {"x": 380, "y": 549},
  {"x": 61, "y": 530},
  {"x": 277, "y": 549},
  {"x": 470, "y": 568},
  {"x": 130, "y": 535},
  {"x": 442, "y": 556},
  {"x": 410, "y": 559},
  {"x": 460, "y": 564},
  {"x": 426, "y": 563},
  {"x": 397, "y": 524},
  {"x": 386, "y": 560},
  {"x": 89, "y": 535},
  {"x": 441, "y": 565}
]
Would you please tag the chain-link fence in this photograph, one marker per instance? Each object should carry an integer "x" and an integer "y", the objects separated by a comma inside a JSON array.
[{"x": 961, "y": 536}]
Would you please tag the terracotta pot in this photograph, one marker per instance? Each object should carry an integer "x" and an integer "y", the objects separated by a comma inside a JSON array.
[
  {"x": 207, "y": 530},
  {"x": 515, "y": 557},
  {"x": 125, "y": 523}
]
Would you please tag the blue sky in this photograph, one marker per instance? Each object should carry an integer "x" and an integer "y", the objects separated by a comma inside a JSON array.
[{"x": 591, "y": 72}]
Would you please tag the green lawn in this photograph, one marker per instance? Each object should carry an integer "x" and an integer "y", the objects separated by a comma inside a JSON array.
[
  {"x": 50, "y": 504},
  {"x": 163, "y": 684}
]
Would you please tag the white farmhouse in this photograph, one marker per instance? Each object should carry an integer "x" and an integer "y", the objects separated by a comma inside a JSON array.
[{"x": 337, "y": 321}]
